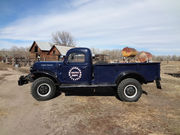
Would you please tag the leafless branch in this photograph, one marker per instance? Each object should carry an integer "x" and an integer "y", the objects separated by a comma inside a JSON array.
[{"x": 63, "y": 38}]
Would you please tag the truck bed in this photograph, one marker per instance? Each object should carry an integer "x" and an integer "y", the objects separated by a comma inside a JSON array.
[{"x": 108, "y": 73}]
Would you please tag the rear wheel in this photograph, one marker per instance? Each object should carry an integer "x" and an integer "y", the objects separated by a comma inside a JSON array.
[
  {"x": 129, "y": 90},
  {"x": 43, "y": 89}
]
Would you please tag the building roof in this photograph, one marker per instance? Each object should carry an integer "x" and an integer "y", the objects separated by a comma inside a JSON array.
[
  {"x": 63, "y": 49},
  {"x": 44, "y": 46}
]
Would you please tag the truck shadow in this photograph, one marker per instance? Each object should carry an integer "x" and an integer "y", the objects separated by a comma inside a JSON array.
[
  {"x": 89, "y": 92},
  {"x": 174, "y": 74}
]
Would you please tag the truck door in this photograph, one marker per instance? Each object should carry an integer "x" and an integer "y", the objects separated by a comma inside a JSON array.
[{"x": 76, "y": 69}]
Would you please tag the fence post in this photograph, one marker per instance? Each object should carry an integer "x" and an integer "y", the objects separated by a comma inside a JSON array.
[
  {"x": 13, "y": 61},
  {"x": 6, "y": 59}
]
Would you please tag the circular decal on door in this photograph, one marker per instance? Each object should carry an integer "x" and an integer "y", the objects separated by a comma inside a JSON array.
[{"x": 75, "y": 73}]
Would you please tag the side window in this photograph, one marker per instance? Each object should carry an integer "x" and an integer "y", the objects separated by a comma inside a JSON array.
[
  {"x": 76, "y": 58},
  {"x": 35, "y": 49}
]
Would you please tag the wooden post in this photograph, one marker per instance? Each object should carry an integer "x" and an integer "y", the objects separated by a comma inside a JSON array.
[
  {"x": 6, "y": 59},
  {"x": 13, "y": 61}
]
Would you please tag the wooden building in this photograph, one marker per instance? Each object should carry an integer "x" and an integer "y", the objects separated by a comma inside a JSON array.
[
  {"x": 45, "y": 51},
  {"x": 39, "y": 50},
  {"x": 57, "y": 51}
]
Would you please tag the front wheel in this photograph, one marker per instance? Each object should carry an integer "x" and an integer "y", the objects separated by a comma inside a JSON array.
[
  {"x": 129, "y": 90},
  {"x": 43, "y": 89}
]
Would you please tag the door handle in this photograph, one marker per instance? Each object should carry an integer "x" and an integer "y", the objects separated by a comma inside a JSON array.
[{"x": 83, "y": 67}]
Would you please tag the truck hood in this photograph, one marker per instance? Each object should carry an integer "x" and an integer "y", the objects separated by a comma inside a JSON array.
[{"x": 46, "y": 65}]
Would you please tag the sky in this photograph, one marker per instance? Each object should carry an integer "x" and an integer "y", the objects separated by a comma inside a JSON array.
[{"x": 149, "y": 25}]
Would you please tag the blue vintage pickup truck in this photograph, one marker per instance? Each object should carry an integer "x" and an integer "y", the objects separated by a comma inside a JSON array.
[{"x": 77, "y": 70}]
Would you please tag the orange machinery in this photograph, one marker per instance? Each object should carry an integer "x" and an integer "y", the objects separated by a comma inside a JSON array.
[{"x": 129, "y": 52}]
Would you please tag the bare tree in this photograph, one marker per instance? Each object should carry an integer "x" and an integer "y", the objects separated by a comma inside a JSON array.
[
  {"x": 15, "y": 52},
  {"x": 4, "y": 52},
  {"x": 63, "y": 38},
  {"x": 166, "y": 58},
  {"x": 95, "y": 51},
  {"x": 113, "y": 54}
]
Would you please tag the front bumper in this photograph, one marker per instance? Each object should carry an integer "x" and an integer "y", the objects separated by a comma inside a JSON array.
[{"x": 25, "y": 79}]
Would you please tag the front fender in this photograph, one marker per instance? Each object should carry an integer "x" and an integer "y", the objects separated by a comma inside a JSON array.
[{"x": 49, "y": 74}]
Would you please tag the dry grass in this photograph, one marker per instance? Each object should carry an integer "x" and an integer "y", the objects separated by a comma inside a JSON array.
[
  {"x": 24, "y": 69},
  {"x": 170, "y": 67},
  {"x": 157, "y": 113},
  {"x": 4, "y": 66},
  {"x": 3, "y": 113}
]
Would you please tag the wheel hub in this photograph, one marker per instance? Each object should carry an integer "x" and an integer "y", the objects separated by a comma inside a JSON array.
[
  {"x": 43, "y": 89},
  {"x": 130, "y": 91}
]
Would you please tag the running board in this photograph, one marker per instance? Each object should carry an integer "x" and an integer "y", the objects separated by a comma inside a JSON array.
[{"x": 86, "y": 86}]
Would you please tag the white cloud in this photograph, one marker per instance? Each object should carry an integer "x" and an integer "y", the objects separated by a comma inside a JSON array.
[
  {"x": 100, "y": 23},
  {"x": 77, "y": 3},
  {"x": 10, "y": 44}
]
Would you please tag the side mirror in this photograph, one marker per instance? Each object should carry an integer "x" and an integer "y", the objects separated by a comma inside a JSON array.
[{"x": 66, "y": 62}]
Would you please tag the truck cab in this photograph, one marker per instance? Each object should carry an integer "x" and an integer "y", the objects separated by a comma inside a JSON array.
[
  {"x": 77, "y": 70},
  {"x": 76, "y": 67}
]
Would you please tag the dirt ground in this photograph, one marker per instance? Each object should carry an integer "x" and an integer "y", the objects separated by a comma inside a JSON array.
[{"x": 89, "y": 112}]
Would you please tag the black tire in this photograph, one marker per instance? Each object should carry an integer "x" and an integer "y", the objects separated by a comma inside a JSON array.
[
  {"x": 43, "y": 89},
  {"x": 129, "y": 90}
]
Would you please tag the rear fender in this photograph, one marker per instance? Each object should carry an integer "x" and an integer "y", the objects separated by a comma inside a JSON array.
[{"x": 130, "y": 74}]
